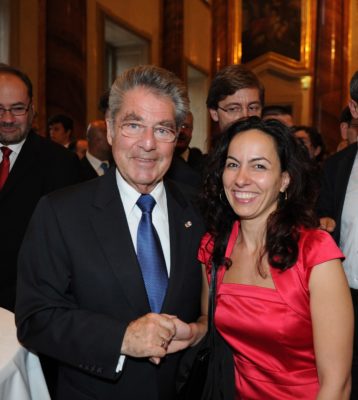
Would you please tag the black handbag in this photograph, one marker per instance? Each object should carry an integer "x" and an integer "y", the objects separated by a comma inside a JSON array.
[{"x": 206, "y": 371}]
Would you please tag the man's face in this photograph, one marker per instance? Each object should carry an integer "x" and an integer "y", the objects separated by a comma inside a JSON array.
[
  {"x": 349, "y": 131},
  {"x": 81, "y": 148},
  {"x": 99, "y": 145},
  {"x": 142, "y": 161},
  {"x": 242, "y": 104},
  {"x": 306, "y": 140},
  {"x": 185, "y": 134},
  {"x": 58, "y": 134},
  {"x": 13, "y": 94},
  {"x": 352, "y": 131}
]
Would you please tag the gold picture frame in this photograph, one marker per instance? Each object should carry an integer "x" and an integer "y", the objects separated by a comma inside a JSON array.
[{"x": 295, "y": 49}]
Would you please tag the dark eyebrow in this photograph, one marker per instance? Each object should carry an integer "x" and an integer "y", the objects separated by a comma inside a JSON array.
[
  {"x": 166, "y": 123},
  {"x": 233, "y": 104},
  {"x": 260, "y": 159},
  {"x": 232, "y": 158},
  {"x": 132, "y": 116},
  {"x": 252, "y": 160}
]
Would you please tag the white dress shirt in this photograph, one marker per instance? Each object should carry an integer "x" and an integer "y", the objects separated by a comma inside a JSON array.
[
  {"x": 15, "y": 151},
  {"x": 133, "y": 213},
  {"x": 96, "y": 163},
  {"x": 349, "y": 228}
]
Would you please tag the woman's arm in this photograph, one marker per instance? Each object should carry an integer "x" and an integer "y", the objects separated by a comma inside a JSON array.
[
  {"x": 332, "y": 320},
  {"x": 190, "y": 334}
]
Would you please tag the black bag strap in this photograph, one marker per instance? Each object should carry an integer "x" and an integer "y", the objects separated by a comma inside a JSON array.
[{"x": 212, "y": 300}]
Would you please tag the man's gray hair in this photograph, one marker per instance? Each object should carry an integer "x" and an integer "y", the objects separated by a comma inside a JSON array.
[
  {"x": 354, "y": 87},
  {"x": 158, "y": 80}
]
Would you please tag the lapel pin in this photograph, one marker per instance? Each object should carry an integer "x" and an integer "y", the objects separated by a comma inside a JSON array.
[{"x": 188, "y": 224}]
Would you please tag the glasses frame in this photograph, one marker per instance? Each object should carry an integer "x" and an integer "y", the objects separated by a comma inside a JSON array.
[
  {"x": 3, "y": 110},
  {"x": 236, "y": 113},
  {"x": 146, "y": 127}
]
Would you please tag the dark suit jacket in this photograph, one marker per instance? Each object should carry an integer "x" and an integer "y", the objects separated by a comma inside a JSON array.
[
  {"x": 41, "y": 167},
  {"x": 80, "y": 285},
  {"x": 196, "y": 159},
  {"x": 180, "y": 171},
  {"x": 336, "y": 172},
  {"x": 88, "y": 172}
]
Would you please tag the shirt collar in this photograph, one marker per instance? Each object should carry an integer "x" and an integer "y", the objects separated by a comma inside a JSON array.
[
  {"x": 95, "y": 162},
  {"x": 130, "y": 196},
  {"x": 16, "y": 147}
]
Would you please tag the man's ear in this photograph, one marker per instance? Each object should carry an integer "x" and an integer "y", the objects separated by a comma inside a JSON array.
[
  {"x": 353, "y": 107},
  {"x": 109, "y": 131},
  {"x": 214, "y": 114},
  {"x": 317, "y": 151},
  {"x": 344, "y": 127}
]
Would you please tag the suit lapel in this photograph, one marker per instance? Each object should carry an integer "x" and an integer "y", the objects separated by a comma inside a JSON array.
[
  {"x": 344, "y": 169},
  {"x": 111, "y": 228},
  {"x": 26, "y": 158},
  {"x": 181, "y": 233}
]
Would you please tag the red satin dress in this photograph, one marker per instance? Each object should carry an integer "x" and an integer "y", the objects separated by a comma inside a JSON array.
[{"x": 270, "y": 330}]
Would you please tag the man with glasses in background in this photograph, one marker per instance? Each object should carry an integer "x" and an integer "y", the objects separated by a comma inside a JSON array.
[
  {"x": 30, "y": 166},
  {"x": 116, "y": 289},
  {"x": 234, "y": 93}
]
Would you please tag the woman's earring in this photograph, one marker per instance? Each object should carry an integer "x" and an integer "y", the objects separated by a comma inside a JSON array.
[
  {"x": 284, "y": 195},
  {"x": 220, "y": 197}
]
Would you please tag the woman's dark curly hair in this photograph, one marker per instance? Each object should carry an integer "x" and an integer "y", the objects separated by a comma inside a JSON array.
[{"x": 293, "y": 212}]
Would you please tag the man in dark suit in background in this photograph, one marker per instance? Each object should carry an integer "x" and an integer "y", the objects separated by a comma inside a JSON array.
[
  {"x": 187, "y": 164},
  {"x": 85, "y": 297},
  {"x": 337, "y": 207},
  {"x": 30, "y": 166},
  {"x": 99, "y": 154},
  {"x": 191, "y": 155}
]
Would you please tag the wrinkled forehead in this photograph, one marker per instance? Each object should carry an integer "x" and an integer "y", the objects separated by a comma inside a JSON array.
[{"x": 145, "y": 105}]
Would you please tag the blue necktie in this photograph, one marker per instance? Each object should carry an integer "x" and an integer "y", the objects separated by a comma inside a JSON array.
[
  {"x": 150, "y": 255},
  {"x": 104, "y": 166}
]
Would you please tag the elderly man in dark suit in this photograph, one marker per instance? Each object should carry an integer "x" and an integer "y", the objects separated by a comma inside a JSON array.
[
  {"x": 337, "y": 207},
  {"x": 109, "y": 282},
  {"x": 30, "y": 166}
]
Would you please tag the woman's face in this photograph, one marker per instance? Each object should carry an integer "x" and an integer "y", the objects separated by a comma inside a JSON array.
[{"x": 252, "y": 176}]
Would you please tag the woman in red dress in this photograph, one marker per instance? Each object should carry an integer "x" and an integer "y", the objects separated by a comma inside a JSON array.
[{"x": 283, "y": 303}]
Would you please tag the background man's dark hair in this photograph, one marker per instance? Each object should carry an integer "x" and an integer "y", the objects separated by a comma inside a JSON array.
[{"x": 66, "y": 121}]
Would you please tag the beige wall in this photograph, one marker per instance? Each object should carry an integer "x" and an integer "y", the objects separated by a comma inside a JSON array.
[
  {"x": 140, "y": 15},
  {"x": 352, "y": 40},
  {"x": 287, "y": 90},
  {"x": 197, "y": 46},
  {"x": 197, "y": 34},
  {"x": 27, "y": 55}
]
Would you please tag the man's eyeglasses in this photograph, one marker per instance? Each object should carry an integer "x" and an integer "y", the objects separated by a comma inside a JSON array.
[
  {"x": 252, "y": 109},
  {"x": 161, "y": 133},
  {"x": 16, "y": 111}
]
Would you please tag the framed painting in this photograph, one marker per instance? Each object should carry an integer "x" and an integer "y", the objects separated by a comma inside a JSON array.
[{"x": 277, "y": 30}]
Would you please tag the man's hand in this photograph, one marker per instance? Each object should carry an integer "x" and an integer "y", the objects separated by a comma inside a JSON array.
[
  {"x": 148, "y": 336},
  {"x": 328, "y": 224}
]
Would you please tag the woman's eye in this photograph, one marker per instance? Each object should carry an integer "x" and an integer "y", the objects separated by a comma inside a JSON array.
[
  {"x": 260, "y": 166},
  {"x": 231, "y": 165}
]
